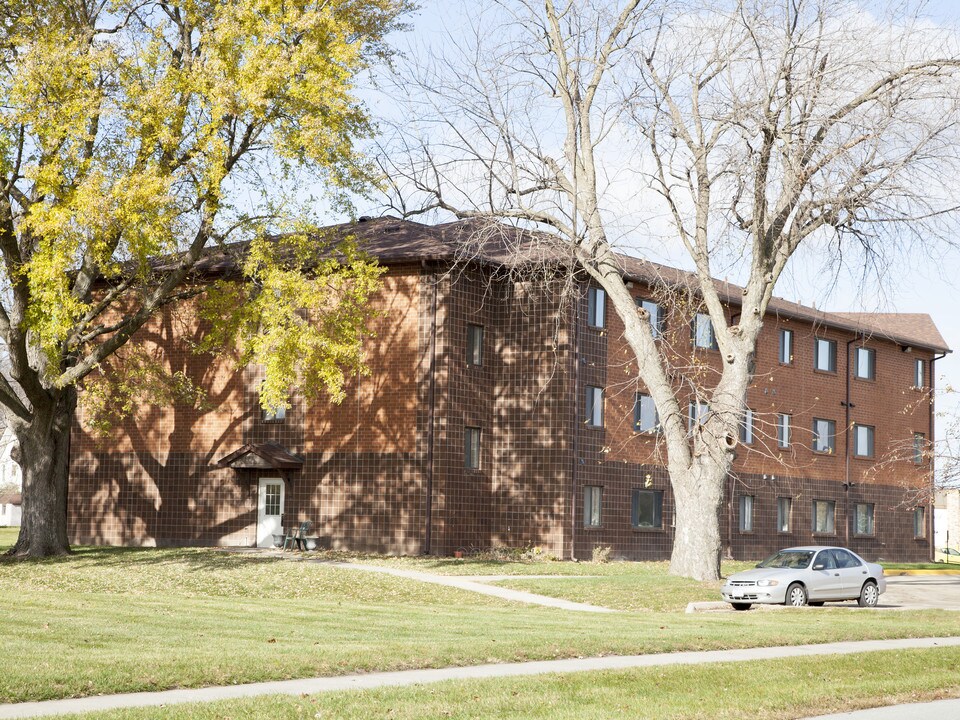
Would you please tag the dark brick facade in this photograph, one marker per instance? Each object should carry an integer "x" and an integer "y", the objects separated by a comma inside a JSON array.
[{"x": 385, "y": 470}]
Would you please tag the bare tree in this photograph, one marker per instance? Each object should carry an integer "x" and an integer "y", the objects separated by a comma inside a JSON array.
[{"x": 754, "y": 126}]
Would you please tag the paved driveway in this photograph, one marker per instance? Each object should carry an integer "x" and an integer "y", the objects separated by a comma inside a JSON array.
[{"x": 912, "y": 592}]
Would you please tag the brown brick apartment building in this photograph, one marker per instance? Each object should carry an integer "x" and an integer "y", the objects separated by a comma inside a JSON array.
[{"x": 497, "y": 415}]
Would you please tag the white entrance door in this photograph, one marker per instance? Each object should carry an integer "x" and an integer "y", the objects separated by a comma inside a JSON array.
[{"x": 269, "y": 510}]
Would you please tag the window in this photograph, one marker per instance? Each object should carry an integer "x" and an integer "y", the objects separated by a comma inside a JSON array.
[
  {"x": 274, "y": 415},
  {"x": 845, "y": 559},
  {"x": 746, "y": 427},
  {"x": 823, "y": 516},
  {"x": 645, "y": 417},
  {"x": 471, "y": 448},
  {"x": 746, "y": 513},
  {"x": 824, "y": 355},
  {"x": 646, "y": 509},
  {"x": 474, "y": 344},
  {"x": 783, "y": 430},
  {"x": 784, "y": 506},
  {"x": 594, "y": 407},
  {"x": 697, "y": 414},
  {"x": 703, "y": 336},
  {"x": 592, "y": 501},
  {"x": 596, "y": 307},
  {"x": 863, "y": 440},
  {"x": 918, "y": 379},
  {"x": 786, "y": 347},
  {"x": 824, "y": 436},
  {"x": 919, "y": 445},
  {"x": 919, "y": 522},
  {"x": 865, "y": 363},
  {"x": 657, "y": 316},
  {"x": 271, "y": 499},
  {"x": 863, "y": 519}
]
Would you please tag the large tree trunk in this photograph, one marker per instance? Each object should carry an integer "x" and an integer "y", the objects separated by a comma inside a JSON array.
[
  {"x": 696, "y": 545},
  {"x": 45, "y": 461}
]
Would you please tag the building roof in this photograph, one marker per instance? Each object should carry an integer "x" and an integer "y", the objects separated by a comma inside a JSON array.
[
  {"x": 262, "y": 456},
  {"x": 393, "y": 241},
  {"x": 11, "y": 498}
]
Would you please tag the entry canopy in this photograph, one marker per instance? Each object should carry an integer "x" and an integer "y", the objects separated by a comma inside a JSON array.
[{"x": 261, "y": 456}]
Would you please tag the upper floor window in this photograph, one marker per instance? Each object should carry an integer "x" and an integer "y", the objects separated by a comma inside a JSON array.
[
  {"x": 919, "y": 445},
  {"x": 865, "y": 363},
  {"x": 746, "y": 427},
  {"x": 697, "y": 414},
  {"x": 475, "y": 344},
  {"x": 824, "y": 355},
  {"x": 657, "y": 316},
  {"x": 703, "y": 335},
  {"x": 786, "y": 347},
  {"x": 645, "y": 417},
  {"x": 918, "y": 374},
  {"x": 471, "y": 448},
  {"x": 863, "y": 440},
  {"x": 783, "y": 430},
  {"x": 594, "y": 407},
  {"x": 824, "y": 435},
  {"x": 596, "y": 307},
  {"x": 274, "y": 414}
]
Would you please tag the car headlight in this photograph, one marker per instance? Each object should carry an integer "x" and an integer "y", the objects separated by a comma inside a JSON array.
[{"x": 768, "y": 583}]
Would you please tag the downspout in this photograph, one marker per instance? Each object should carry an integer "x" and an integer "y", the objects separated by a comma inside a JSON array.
[
  {"x": 933, "y": 479},
  {"x": 846, "y": 445},
  {"x": 735, "y": 317},
  {"x": 575, "y": 313},
  {"x": 431, "y": 414}
]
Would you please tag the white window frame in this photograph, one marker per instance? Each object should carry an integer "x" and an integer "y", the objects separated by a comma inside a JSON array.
[{"x": 783, "y": 430}]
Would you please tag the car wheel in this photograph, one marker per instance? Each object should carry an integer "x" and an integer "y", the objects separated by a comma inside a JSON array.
[
  {"x": 796, "y": 595},
  {"x": 869, "y": 595},
  {"x": 815, "y": 603},
  {"x": 741, "y": 606}
]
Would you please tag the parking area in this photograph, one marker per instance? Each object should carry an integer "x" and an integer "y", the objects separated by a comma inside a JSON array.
[{"x": 922, "y": 592}]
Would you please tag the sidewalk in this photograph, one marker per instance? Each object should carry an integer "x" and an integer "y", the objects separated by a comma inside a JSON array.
[{"x": 413, "y": 677}]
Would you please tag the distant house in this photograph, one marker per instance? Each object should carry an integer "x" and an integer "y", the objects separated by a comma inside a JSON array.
[
  {"x": 9, "y": 509},
  {"x": 10, "y": 473}
]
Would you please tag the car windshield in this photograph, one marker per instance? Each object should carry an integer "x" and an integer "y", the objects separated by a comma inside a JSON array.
[{"x": 795, "y": 559}]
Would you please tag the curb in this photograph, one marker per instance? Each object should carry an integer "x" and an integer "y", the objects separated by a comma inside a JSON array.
[{"x": 901, "y": 573}]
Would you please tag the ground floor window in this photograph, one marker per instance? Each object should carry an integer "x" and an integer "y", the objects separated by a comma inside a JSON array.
[
  {"x": 592, "y": 495},
  {"x": 784, "y": 506},
  {"x": 920, "y": 522},
  {"x": 647, "y": 509},
  {"x": 824, "y": 512},
  {"x": 746, "y": 513},
  {"x": 863, "y": 519}
]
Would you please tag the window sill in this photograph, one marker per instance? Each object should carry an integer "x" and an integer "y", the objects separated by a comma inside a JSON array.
[
  {"x": 646, "y": 529},
  {"x": 825, "y": 372},
  {"x": 825, "y": 453},
  {"x": 593, "y": 527},
  {"x": 784, "y": 532},
  {"x": 825, "y": 534},
  {"x": 783, "y": 364},
  {"x": 863, "y": 457},
  {"x": 865, "y": 536},
  {"x": 863, "y": 379}
]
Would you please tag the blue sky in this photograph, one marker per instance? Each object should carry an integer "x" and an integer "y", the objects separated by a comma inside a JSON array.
[{"x": 923, "y": 283}]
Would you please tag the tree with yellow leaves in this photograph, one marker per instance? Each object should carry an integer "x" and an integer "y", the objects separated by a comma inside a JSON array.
[{"x": 127, "y": 129}]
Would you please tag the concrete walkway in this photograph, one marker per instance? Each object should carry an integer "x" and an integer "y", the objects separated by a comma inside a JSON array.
[
  {"x": 417, "y": 677},
  {"x": 938, "y": 710},
  {"x": 476, "y": 584}
]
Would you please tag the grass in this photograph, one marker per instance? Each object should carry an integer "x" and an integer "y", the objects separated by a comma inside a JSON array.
[
  {"x": 107, "y": 620},
  {"x": 769, "y": 690}
]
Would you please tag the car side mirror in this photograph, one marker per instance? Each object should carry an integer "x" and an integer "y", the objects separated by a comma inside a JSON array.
[{"x": 818, "y": 566}]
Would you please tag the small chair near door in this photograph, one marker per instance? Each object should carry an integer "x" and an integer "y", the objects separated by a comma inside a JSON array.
[{"x": 298, "y": 539}]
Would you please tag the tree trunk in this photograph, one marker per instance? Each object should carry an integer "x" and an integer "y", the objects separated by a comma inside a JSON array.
[
  {"x": 45, "y": 461},
  {"x": 697, "y": 493}
]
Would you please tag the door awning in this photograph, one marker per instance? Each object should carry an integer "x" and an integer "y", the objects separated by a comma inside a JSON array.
[{"x": 261, "y": 456}]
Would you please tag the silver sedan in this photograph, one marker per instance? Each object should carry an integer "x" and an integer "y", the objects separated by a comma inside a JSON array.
[{"x": 801, "y": 575}]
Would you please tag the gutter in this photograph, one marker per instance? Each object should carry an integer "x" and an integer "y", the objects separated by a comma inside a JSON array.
[
  {"x": 575, "y": 313},
  {"x": 431, "y": 416},
  {"x": 931, "y": 436}
]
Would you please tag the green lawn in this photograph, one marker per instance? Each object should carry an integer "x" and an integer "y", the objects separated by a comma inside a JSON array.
[
  {"x": 112, "y": 620},
  {"x": 761, "y": 690}
]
